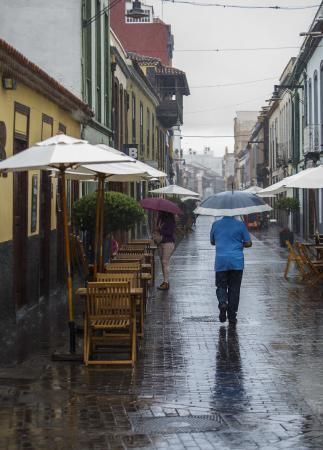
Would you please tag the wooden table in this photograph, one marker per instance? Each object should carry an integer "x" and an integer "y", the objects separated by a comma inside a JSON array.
[
  {"x": 135, "y": 293},
  {"x": 81, "y": 292}
]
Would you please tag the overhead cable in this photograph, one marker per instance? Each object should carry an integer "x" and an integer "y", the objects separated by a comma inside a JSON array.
[
  {"x": 223, "y": 107},
  {"x": 221, "y": 5},
  {"x": 251, "y": 49},
  {"x": 100, "y": 13},
  {"x": 215, "y": 136},
  {"x": 240, "y": 83}
]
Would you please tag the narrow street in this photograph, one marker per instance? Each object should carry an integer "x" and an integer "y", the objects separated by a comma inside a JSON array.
[{"x": 197, "y": 384}]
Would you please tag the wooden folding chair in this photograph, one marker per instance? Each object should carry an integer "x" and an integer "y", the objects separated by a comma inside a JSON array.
[
  {"x": 315, "y": 267},
  {"x": 136, "y": 252},
  {"x": 124, "y": 267},
  {"x": 137, "y": 291},
  {"x": 143, "y": 278},
  {"x": 110, "y": 317},
  {"x": 150, "y": 248},
  {"x": 294, "y": 257},
  {"x": 129, "y": 257},
  {"x": 148, "y": 243},
  {"x": 143, "y": 249},
  {"x": 129, "y": 248}
]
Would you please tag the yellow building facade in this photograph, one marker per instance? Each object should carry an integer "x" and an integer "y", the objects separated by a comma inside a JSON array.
[{"x": 33, "y": 107}]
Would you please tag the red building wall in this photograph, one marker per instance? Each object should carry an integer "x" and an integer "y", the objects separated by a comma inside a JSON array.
[{"x": 148, "y": 39}]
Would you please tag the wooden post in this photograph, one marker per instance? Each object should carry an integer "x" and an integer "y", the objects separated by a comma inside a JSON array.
[
  {"x": 68, "y": 266},
  {"x": 101, "y": 234},
  {"x": 97, "y": 230}
]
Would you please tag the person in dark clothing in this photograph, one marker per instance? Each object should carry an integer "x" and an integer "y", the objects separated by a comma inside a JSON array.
[
  {"x": 166, "y": 225},
  {"x": 230, "y": 237}
]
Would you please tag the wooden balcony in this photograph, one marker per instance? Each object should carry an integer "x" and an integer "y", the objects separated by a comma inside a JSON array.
[{"x": 169, "y": 113}]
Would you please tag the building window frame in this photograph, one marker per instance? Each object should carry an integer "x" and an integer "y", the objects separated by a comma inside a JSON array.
[
  {"x": 310, "y": 104},
  {"x": 133, "y": 118},
  {"x": 141, "y": 127},
  {"x": 50, "y": 121},
  {"x": 148, "y": 133}
]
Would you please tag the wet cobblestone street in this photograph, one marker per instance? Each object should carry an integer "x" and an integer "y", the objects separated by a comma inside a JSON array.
[{"x": 197, "y": 384}]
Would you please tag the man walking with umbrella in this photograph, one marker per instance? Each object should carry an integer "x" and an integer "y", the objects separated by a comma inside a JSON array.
[{"x": 230, "y": 236}]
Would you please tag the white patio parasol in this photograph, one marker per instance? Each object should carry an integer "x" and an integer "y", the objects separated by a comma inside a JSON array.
[
  {"x": 286, "y": 183},
  {"x": 185, "y": 199},
  {"x": 311, "y": 178},
  {"x": 273, "y": 189},
  {"x": 61, "y": 152},
  {"x": 140, "y": 165},
  {"x": 126, "y": 172},
  {"x": 174, "y": 189},
  {"x": 258, "y": 191}
]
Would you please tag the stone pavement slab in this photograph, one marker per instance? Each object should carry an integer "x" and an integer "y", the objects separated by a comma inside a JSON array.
[{"x": 198, "y": 384}]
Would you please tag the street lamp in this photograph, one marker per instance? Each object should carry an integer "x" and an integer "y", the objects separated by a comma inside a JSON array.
[
  {"x": 278, "y": 87},
  {"x": 313, "y": 34},
  {"x": 135, "y": 13}
]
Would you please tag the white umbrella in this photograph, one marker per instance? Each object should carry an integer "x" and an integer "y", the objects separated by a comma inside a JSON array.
[
  {"x": 174, "y": 189},
  {"x": 235, "y": 203},
  {"x": 61, "y": 152},
  {"x": 273, "y": 189},
  {"x": 122, "y": 172},
  {"x": 185, "y": 199},
  {"x": 151, "y": 171},
  {"x": 311, "y": 178},
  {"x": 257, "y": 190},
  {"x": 126, "y": 172}
]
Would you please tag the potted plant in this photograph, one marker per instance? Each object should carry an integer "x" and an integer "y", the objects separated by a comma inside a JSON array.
[
  {"x": 121, "y": 213},
  {"x": 289, "y": 205}
]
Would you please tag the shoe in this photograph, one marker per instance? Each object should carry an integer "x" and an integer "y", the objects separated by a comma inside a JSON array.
[
  {"x": 223, "y": 313},
  {"x": 164, "y": 286},
  {"x": 233, "y": 322}
]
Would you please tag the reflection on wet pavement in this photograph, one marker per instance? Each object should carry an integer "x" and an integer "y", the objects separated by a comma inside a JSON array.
[{"x": 198, "y": 384}]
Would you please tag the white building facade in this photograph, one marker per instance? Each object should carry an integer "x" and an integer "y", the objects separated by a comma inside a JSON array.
[{"x": 60, "y": 37}]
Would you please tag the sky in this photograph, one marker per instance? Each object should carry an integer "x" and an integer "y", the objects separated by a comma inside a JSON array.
[{"x": 210, "y": 111}]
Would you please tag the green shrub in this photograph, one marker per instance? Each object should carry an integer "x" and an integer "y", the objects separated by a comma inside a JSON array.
[
  {"x": 288, "y": 204},
  {"x": 121, "y": 212}
]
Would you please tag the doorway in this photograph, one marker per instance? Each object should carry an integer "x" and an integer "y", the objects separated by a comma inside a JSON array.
[
  {"x": 20, "y": 225},
  {"x": 45, "y": 233}
]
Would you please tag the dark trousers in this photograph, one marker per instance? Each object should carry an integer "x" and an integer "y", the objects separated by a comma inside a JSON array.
[{"x": 228, "y": 290}]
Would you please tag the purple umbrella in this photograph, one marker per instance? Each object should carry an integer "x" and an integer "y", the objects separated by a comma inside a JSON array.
[{"x": 160, "y": 204}]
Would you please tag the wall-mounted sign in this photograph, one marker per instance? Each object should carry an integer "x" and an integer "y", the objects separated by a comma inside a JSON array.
[{"x": 131, "y": 150}]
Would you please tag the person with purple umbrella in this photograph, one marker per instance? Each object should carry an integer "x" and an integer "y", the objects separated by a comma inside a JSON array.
[{"x": 166, "y": 226}]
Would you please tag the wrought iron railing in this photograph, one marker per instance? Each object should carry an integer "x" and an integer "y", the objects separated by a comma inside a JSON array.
[{"x": 312, "y": 139}]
